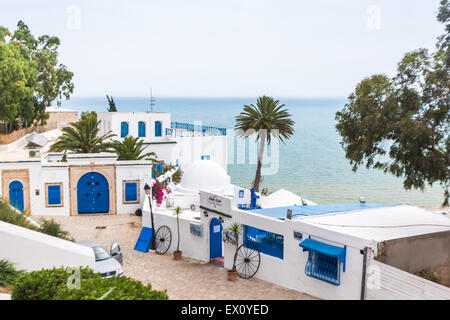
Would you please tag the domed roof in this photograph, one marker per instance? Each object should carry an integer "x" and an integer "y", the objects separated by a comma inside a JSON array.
[{"x": 205, "y": 175}]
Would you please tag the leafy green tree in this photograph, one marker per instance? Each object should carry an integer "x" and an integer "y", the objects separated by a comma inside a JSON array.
[
  {"x": 401, "y": 125},
  {"x": 112, "y": 104},
  {"x": 132, "y": 149},
  {"x": 54, "y": 80},
  {"x": 17, "y": 79},
  {"x": 82, "y": 137},
  {"x": 268, "y": 119}
]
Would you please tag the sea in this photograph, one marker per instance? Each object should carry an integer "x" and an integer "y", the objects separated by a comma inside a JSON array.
[{"x": 311, "y": 163}]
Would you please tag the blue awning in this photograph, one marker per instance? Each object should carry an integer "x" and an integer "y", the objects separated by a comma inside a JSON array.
[{"x": 324, "y": 248}]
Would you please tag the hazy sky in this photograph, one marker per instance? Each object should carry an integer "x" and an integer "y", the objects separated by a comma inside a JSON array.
[{"x": 314, "y": 48}]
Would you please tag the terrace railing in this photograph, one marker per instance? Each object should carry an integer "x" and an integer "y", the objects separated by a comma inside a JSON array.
[{"x": 179, "y": 129}]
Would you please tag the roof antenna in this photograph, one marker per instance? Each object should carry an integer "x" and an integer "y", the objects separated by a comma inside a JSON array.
[{"x": 152, "y": 100}]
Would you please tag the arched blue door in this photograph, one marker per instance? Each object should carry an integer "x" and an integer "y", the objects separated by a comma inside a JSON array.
[
  {"x": 158, "y": 129},
  {"x": 16, "y": 195},
  {"x": 93, "y": 193},
  {"x": 215, "y": 239}
]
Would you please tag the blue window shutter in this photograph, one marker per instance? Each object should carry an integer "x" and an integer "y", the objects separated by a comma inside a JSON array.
[
  {"x": 158, "y": 129},
  {"x": 141, "y": 126},
  {"x": 131, "y": 191},
  {"x": 123, "y": 129},
  {"x": 54, "y": 194}
]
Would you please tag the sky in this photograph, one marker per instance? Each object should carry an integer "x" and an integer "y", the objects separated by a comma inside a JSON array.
[{"x": 228, "y": 48}]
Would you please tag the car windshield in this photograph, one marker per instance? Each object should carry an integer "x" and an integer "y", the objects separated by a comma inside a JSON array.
[{"x": 101, "y": 253}]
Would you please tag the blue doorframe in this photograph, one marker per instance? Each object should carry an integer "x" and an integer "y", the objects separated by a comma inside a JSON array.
[
  {"x": 93, "y": 193},
  {"x": 16, "y": 195},
  {"x": 215, "y": 239}
]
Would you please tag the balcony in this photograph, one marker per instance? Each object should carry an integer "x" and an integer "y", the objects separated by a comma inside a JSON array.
[{"x": 179, "y": 129}]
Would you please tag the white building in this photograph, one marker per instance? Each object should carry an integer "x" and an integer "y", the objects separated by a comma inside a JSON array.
[
  {"x": 84, "y": 184},
  {"x": 322, "y": 250},
  {"x": 173, "y": 142}
]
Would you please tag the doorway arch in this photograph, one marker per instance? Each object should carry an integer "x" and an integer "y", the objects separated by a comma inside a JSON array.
[
  {"x": 16, "y": 195},
  {"x": 93, "y": 193},
  {"x": 215, "y": 239}
]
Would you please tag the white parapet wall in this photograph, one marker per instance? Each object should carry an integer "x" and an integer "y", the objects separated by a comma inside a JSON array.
[{"x": 30, "y": 250}]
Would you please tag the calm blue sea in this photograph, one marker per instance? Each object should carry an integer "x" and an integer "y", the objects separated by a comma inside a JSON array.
[{"x": 311, "y": 164}]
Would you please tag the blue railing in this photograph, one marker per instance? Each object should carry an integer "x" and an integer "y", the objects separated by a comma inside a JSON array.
[
  {"x": 266, "y": 242},
  {"x": 179, "y": 129}
]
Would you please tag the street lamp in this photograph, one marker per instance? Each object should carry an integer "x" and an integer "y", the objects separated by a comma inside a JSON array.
[{"x": 147, "y": 191}]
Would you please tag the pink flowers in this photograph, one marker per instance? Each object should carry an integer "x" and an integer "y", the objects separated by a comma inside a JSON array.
[{"x": 158, "y": 192}]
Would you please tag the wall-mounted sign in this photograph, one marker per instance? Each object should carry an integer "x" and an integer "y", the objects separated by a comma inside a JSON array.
[
  {"x": 214, "y": 201},
  {"x": 228, "y": 237},
  {"x": 196, "y": 229}
]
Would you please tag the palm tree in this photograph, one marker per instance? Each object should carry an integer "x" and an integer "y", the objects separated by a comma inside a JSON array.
[
  {"x": 82, "y": 137},
  {"x": 131, "y": 149},
  {"x": 267, "y": 119},
  {"x": 177, "y": 212},
  {"x": 236, "y": 230}
]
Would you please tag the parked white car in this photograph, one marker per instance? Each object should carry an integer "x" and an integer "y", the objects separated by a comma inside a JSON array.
[{"x": 108, "y": 264}]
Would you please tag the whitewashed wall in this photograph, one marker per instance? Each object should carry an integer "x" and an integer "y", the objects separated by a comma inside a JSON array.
[
  {"x": 31, "y": 250},
  {"x": 132, "y": 170},
  {"x": 385, "y": 282},
  {"x": 192, "y": 246}
]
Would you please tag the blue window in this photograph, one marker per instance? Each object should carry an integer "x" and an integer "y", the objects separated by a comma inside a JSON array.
[
  {"x": 324, "y": 261},
  {"x": 265, "y": 242},
  {"x": 141, "y": 127},
  {"x": 131, "y": 191},
  {"x": 158, "y": 167},
  {"x": 54, "y": 195},
  {"x": 158, "y": 129},
  {"x": 123, "y": 129},
  {"x": 205, "y": 157},
  {"x": 241, "y": 194}
]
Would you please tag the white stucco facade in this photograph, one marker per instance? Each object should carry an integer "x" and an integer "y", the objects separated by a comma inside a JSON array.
[
  {"x": 36, "y": 175},
  {"x": 174, "y": 143}
]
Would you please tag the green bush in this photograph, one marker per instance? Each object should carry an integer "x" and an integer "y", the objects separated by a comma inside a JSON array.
[
  {"x": 9, "y": 215},
  {"x": 8, "y": 273},
  {"x": 52, "y": 228},
  {"x": 52, "y": 285}
]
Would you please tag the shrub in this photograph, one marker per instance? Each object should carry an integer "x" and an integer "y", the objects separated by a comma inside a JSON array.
[
  {"x": 10, "y": 215},
  {"x": 51, "y": 284},
  {"x": 52, "y": 228},
  {"x": 8, "y": 273},
  {"x": 116, "y": 288},
  {"x": 44, "y": 284}
]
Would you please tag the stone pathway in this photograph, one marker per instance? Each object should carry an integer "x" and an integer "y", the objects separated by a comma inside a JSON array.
[{"x": 186, "y": 279}]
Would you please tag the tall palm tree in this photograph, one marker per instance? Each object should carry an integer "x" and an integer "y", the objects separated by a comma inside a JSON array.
[
  {"x": 267, "y": 119},
  {"x": 82, "y": 137},
  {"x": 131, "y": 149}
]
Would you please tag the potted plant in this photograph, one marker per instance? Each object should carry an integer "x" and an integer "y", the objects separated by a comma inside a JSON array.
[
  {"x": 177, "y": 253},
  {"x": 235, "y": 229}
]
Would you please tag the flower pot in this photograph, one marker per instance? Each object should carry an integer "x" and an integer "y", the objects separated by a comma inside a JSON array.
[
  {"x": 177, "y": 255},
  {"x": 232, "y": 275}
]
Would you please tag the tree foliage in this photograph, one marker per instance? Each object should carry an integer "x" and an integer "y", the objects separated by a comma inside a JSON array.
[
  {"x": 83, "y": 137},
  {"x": 132, "y": 149},
  {"x": 401, "y": 125},
  {"x": 268, "y": 119},
  {"x": 111, "y": 103},
  {"x": 31, "y": 77}
]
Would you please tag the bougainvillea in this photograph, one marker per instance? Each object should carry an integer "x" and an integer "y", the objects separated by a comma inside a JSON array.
[{"x": 159, "y": 191}]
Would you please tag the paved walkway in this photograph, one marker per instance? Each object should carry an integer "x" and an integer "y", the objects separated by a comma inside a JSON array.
[{"x": 186, "y": 279}]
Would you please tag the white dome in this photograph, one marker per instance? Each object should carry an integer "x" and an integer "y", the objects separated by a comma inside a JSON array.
[{"x": 205, "y": 175}]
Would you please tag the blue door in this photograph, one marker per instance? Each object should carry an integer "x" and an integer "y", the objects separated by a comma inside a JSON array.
[
  {"x": 93, "y": 193},
  {"x": 16, "y": 195},
  {"x": 215, "y": 239}
]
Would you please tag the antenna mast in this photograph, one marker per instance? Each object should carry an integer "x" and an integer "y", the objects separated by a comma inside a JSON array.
[{"x": 152, "y": 100}]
